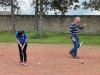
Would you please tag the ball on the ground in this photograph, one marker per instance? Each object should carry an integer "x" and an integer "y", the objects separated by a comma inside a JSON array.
[{"x": 39, "y": 64}]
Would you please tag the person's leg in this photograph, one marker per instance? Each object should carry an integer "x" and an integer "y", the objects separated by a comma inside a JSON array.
[
  {"x": 20, "y": 53},
  {"x": 24, "y": 52},
  {"x": 75, "y": 49},
  {"x": 78, "y": 42},
  {"x": 72, "y": 50},
  {"x": 76, "y": 46}
]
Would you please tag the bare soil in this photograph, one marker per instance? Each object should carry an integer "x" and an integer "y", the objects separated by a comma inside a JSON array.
[{"x": 54, "y": 59}]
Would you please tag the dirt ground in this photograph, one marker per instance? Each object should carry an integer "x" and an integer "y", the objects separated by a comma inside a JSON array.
[{"x": 54, "y": 59}]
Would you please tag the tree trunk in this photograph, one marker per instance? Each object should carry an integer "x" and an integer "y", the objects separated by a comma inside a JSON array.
[
  {"x": 36, "y": 17},
  {"x": 41, "y": 17},
  {"x": 12, "y": 17}
]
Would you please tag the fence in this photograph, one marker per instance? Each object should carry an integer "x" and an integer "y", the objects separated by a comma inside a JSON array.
[{"x": 51, "y": 23}]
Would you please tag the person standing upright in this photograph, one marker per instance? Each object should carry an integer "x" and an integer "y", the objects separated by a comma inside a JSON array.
[{"x": 74, "y": 27}]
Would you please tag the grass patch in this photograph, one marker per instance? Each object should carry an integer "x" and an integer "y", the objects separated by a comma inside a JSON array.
[
  {"x": 7, "y": 37},
  {"x": 90, "y": 39},
  {"x": 52, "y": 38}
]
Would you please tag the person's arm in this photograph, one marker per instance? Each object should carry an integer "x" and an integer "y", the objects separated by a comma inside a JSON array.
[
  {"x": 81, "y": 27},
  {"x": 18, "y": 40},
  {"x": 26, "y": 40},
  {"x": 71, "y": 32}
]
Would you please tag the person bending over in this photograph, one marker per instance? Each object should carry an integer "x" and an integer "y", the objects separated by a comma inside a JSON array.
[{"x": 22, "y": 40}]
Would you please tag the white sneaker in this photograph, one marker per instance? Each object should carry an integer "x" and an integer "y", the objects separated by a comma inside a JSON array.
[
  {"x": 21, "y": 63},
  {"x": 81, "y": 44},
  {"x": 25, "y": 64}
]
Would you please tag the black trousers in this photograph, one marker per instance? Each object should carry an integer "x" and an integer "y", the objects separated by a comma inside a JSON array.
[{"x": 22, "y": 53}]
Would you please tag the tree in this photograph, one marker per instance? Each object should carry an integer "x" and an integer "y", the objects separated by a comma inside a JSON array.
[
  {"x": 36, "y": 17},
  {"x": 57, "y": 5},
  {"x": 13, "y": 4},
  {"x": 41, "y": 17},
  {"x": 61, "y": 6},
  {"x": 35, "y": 3},
  {"x": 12, "y": 12},
  {"x": 92, "y": 4}
]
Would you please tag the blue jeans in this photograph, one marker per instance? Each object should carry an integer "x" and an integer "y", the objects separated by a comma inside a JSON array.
[{"x": 76, "y": 43}]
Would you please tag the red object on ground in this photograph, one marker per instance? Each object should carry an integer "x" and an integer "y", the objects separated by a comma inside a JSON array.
[
  {"x": 82, "y": 62},
  {"x": 1, "y": 55}
]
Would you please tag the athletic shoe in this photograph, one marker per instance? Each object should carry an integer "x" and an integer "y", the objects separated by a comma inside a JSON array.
[
  {"x": 25, "y": 64},
  {"x": 20, "y": 63},
  {"x": 76, "y": 57},
  {"x": 71, "y": 53},
  {"x": 81, "y": 44}
]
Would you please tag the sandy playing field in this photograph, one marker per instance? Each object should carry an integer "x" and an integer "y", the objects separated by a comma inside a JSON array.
[{"x": 54, "y": 59}]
